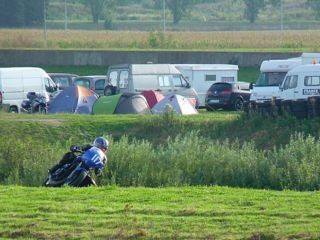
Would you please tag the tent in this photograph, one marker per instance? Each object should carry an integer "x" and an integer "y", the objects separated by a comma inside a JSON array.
[
  {"x": 106, "y": 104},
  {"x": 74, "y": 99},
  {"x": 132, "y": 103},
  {"x": 152, "y": 97},
  {"x": 178, "y": 103}
]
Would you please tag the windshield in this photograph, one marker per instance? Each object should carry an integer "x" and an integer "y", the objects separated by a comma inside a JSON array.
[{"x": 270, "y": 78}]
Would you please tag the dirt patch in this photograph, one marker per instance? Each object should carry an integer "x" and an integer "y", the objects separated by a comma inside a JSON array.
[{"x": 53, "y": 122}]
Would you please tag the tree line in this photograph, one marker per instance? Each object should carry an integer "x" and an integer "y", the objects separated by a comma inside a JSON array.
[{"x": 17, "y": 13}]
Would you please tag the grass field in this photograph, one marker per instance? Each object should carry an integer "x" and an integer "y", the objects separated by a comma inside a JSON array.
[
  {"x": 265, "y": 41},
  {"x": 157, "y": 213},
  {"x": 227, "y": 148}
]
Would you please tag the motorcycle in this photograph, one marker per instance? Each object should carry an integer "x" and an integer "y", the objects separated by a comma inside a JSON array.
[
  {"x": 36, "y": 103},
  {"x": 72, "y": 170}
]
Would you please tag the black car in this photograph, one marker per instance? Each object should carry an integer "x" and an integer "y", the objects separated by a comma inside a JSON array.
[{"x": 227, "y": 95}]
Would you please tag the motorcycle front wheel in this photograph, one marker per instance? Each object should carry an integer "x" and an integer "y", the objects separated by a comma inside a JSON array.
[{"x": 76, "y": 179}]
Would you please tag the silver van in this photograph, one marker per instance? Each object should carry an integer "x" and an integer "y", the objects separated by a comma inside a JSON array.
[{"x": 164, "y": 78}]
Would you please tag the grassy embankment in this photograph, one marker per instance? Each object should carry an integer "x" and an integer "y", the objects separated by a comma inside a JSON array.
[
  {"x": 212, "y": 148},
  {"x": 157, "y": 213}
]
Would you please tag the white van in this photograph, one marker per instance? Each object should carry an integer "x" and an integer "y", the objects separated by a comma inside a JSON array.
[
  {"x": 301, "y": 83},
  {"x": 202, "y": 76},
  {"x": 16, "y": 82},
  {"x": 164, "y": 78},
  {"x": 272, "y": 73}
]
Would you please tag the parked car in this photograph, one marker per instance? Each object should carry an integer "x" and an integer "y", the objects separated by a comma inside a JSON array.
[
  {"x": 227, "y": 95},
  {"x": 63, "y": 80},
  {"x": 95, "y": 83}
]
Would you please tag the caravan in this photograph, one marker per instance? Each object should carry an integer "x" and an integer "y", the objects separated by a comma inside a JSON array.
[
  {"x": 202, "y": 76},
  {"x": 16, "y": 82}
]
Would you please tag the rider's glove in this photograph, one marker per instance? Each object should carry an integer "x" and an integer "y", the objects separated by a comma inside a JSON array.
[{"x": 74, "y": 148}]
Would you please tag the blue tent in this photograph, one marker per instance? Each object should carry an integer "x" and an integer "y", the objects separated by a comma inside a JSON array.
[{"x": 74, "y": 99}]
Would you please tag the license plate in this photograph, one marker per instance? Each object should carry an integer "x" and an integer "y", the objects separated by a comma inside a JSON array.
[{"x": 214, "y": 101}]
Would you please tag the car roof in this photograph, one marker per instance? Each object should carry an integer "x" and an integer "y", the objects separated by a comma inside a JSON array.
[{"x": 62, "y": 74}]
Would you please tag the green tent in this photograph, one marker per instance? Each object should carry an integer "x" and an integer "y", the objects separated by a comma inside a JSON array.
[{"x": 106, "y": 104}]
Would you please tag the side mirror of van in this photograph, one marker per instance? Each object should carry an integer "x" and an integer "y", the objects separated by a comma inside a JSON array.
[{"x": 251, "y": 86}]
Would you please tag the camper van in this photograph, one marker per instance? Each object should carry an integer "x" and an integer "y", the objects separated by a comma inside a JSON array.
[
  {"x": 16, "y": 82},
  {"x": 272, "y": 73},
  {"x": 164, "y": 78},
  {"x": 202, "y": 76},
  {"x": 301, "y": 83}
]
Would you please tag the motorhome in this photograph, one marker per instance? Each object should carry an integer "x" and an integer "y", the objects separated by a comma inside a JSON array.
[
  {"x": 164, "y": 78},
  {"x": 202, "y": 76},
  {"x": 16, "y": 82},
  {"x": 301, "y": 83},
  {"x": 272, "y": 73}
]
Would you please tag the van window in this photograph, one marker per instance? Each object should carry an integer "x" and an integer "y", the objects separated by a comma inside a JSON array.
[
  {"x": 164, "y": 81},
  {"x": 178, "y": 81},
  {"x": 49, "y": 85},
  {"x": 123, "y": 80},
  {"x": 210, "y": 78},
  {"x": 82, "y": 82},
  {"x": 290, "y": 82},
  {"x": 270, "y": 78},
  {"x": 113, "y": 77},
  {"x": 99, "y": 84},
  {"x": 312, "y": 81}
]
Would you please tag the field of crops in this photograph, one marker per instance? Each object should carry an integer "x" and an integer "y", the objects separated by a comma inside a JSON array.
[{"x": 211, "y": 41}]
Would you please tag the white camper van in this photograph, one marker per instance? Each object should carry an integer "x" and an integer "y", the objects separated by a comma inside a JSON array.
[
  {"x": 301, "y": 83},
  {"x": 272, "y": 73},
  {"x": 164, "y": 78},
  {"x": 16, "y": 82},
  {"x": 202, "y": 76}
]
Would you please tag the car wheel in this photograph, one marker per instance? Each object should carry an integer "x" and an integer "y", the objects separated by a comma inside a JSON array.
[
  {"x": 13, "y": 110},
  {"x": 238, "y": 104}
]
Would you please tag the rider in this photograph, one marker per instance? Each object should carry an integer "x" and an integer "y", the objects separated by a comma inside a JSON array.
[{"x": 94, "y": 155}]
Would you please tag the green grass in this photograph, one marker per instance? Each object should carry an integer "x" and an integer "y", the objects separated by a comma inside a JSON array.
[{"x": 157, "y": 213}]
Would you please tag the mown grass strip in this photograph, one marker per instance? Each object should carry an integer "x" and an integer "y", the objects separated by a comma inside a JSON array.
[{"x": 157, "y": 213}]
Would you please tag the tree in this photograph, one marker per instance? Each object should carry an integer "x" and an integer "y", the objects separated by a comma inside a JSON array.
[
  {"x": 315, "y": 6},
  {"x": 252, "y": 9},
  {"x": 178, "y": 8},
  {"x": 17, "y": 13}
]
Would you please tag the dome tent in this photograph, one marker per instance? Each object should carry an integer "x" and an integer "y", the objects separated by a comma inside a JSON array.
[
  {"x": 132, "y": 103},
  {"x": 74, "y": 99}
]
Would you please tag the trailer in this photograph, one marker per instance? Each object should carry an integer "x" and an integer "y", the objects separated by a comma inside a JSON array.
[{"x": 202, "y": 76}]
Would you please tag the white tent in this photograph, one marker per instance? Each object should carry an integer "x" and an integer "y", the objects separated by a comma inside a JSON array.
[{"x": 178, "y": 103}]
